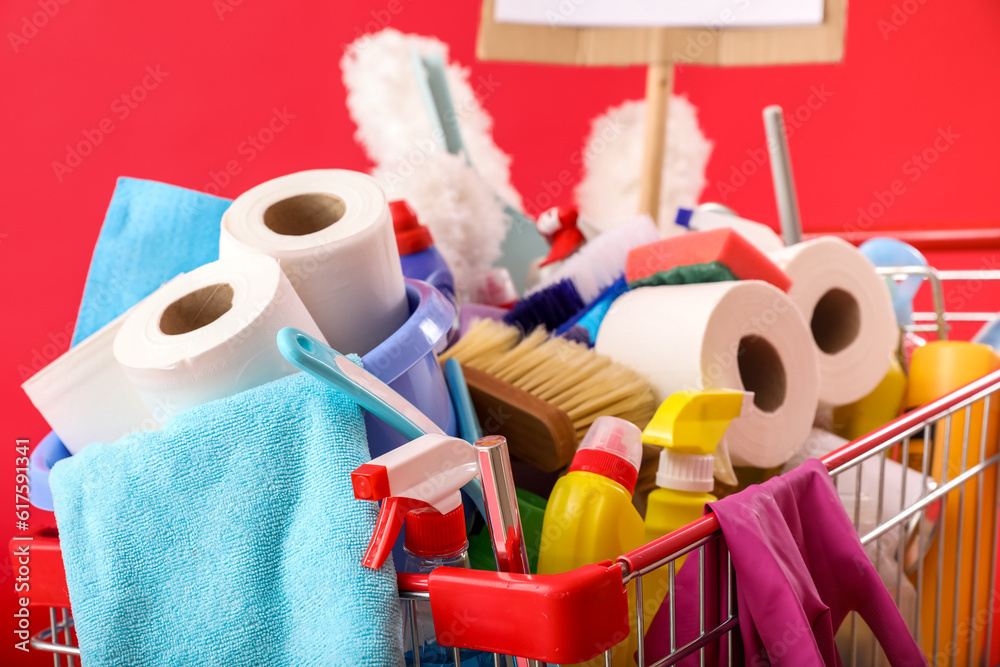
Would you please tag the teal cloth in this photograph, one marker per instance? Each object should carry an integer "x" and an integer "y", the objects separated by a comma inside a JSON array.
[
  {"x": 151, "y": 233},
  {"x": 231, "y": 537}
]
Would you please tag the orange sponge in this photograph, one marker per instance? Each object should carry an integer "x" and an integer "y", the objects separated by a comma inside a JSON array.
[{"x": 715, "y": 245}]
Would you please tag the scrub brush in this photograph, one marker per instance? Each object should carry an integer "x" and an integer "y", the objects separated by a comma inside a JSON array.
[
  {"x": 549, "y": 308},
  {"x": 543, "y": 393},
  {"x": 601, "y": 261}
]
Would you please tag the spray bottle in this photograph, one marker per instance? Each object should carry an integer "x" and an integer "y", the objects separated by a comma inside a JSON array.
[
  {"x": 420, "y": 259},
  {"x": 418, "y": 485},
  {"x": 689, "y": 426},
  {"x": 590, "y": 517}
]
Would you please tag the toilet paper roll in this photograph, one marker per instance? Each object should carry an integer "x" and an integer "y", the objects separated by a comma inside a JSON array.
[
  {"x": 210, "y": 333},
  {"x": 332, "y": 232},
  {"x": 849, "y": 311},
  {"x": 85, "y": 396},
  {"x": 734, "y": 335}
]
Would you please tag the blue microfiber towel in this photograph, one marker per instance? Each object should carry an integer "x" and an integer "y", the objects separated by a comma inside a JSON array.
[
  {"x": 231, "y": 537},
  {"x": 151, "y": 233}
]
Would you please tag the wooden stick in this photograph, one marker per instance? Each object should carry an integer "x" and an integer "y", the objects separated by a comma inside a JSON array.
[{"x": 659, "y": 82}]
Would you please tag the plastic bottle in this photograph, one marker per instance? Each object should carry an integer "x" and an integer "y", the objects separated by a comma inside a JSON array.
[
  {"x": 936, "y": 369},
  {"x": 419, "y": 486},
  {"x": 434, "y": 540},
  {"x": 590, "y": 517},
  {"x": 420, "y": 259},
  {"x": 688, "y": 426}
]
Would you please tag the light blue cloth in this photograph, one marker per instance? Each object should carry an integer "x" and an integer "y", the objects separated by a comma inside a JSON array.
[
  {"x": 231, "y": 537},
  {"x": 152, "y": 232}
]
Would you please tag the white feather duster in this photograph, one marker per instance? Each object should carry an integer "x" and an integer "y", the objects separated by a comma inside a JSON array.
[
  {"x": 465, "y": 219},
  {"x": 384, "y": 100},
  {"x": 608, "y": 194}
]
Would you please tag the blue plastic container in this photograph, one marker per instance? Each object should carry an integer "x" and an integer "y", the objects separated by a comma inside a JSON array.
[
  {"x": 420, "y": 259},
  {"x": 428, "y": 265},
  {"x": 406, "y": 362}
]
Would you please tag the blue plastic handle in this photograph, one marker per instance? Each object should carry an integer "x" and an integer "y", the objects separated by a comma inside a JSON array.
[
  {"x": 320, "y": 360},
  {"x": 468, "y": 422}
]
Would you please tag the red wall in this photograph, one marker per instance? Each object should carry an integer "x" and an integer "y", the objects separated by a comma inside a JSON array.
[{"x": 914, "y": 69}]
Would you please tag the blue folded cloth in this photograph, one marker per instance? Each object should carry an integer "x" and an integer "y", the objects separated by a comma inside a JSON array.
[
  {"x": 231, "y": 537},
  {"x": 151, "y": 233}
]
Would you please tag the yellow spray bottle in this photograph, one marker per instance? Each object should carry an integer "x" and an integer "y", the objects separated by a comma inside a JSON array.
[
  {"x": 688, "y": 426},
  {"x": 589, "y": 517}
]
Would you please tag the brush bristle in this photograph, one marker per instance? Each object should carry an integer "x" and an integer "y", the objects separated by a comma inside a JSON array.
[
  {"x": 601, "y": 261},
  {"x": 548, "y": 308},
  {"x": 567, "y": 374}
]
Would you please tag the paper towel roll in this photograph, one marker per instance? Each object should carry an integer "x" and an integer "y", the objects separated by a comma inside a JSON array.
[
  {"x": 744, "y": 335},
  {"x": 332, "y": 232},
  {"x": 84, "y": 395},
  {"x": 210, "y": 333},
  {"x": 850, "y": 313}
]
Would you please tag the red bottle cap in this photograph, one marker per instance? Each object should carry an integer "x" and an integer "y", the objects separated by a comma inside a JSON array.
[
  {"x": 613, "y": 448},
  {"x": 411, "y": 236},
  {"x": 428, "y": 533}
]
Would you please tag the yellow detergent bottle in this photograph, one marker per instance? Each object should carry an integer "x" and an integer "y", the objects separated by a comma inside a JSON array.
[
  {"x": 589, "y": 517},
  {"x": 688, "y": 426}
]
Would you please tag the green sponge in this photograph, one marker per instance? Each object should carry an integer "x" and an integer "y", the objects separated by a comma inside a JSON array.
[{"x": 709, "y": 272}]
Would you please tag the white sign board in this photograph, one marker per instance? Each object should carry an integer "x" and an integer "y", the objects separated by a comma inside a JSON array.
[{"x": 660, "y": 13}]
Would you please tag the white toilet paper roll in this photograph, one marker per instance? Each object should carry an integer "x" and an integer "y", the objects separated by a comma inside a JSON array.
[
  {"x": 210, "y": 333},
  {"x": 84, "y": 395},
  {"x": 850, "y": 313},
  {"x": 332, "y": 232},
  {"x": 744, "y": 335}
]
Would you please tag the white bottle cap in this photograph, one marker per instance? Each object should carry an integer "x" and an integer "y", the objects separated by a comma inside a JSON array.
[{"x": 685, "y": 472}]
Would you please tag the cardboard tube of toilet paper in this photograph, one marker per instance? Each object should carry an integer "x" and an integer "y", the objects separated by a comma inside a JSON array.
[
  {"x": 745, "y": 335},
  {"x": 85, "y": 396},
  {"x": 850, "y": 314},
  {"x": 332, "y": 233},
  {"x": 210, "y": 333}
]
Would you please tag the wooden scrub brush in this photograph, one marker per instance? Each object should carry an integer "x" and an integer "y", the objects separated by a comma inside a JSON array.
[{"x": 543, "y": 393}]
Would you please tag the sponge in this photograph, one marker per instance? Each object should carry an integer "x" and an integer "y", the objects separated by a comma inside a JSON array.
[
  {"x": 716, "y": 245},
  {"x": 712, "y": 272}
]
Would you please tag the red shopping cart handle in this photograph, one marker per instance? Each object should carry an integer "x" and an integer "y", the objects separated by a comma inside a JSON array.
[
  {"x": 36, "y": 561},
  {"x": 557, "y": 618}
]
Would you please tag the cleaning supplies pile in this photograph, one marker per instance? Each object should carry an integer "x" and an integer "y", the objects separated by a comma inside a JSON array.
[
  {"x": 723, "y": 305},
  {"x": 314, "y": 250},
  {"x": 182, "y": 385}
]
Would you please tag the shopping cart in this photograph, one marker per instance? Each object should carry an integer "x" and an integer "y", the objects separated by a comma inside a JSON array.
[{"x": 579, "y": 614}]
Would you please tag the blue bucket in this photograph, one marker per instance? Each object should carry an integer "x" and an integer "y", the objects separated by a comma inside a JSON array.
[{"x": 406, "y": 361}]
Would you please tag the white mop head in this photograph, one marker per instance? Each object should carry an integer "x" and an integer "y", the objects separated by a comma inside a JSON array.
[{"x": 609, "y": 193}]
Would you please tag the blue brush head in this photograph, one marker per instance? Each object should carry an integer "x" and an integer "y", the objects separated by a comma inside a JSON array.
[
  {"x": 578, "y": 334},
  {"x": 547, "y": 308}
]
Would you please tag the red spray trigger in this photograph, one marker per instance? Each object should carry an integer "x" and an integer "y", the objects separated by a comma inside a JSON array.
[
  {"x": 426, "y": 472},
  {"x": 390, "y": 522}
]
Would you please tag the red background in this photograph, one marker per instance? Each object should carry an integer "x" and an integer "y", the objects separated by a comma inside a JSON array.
[{"x": 228, "y": 65}]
